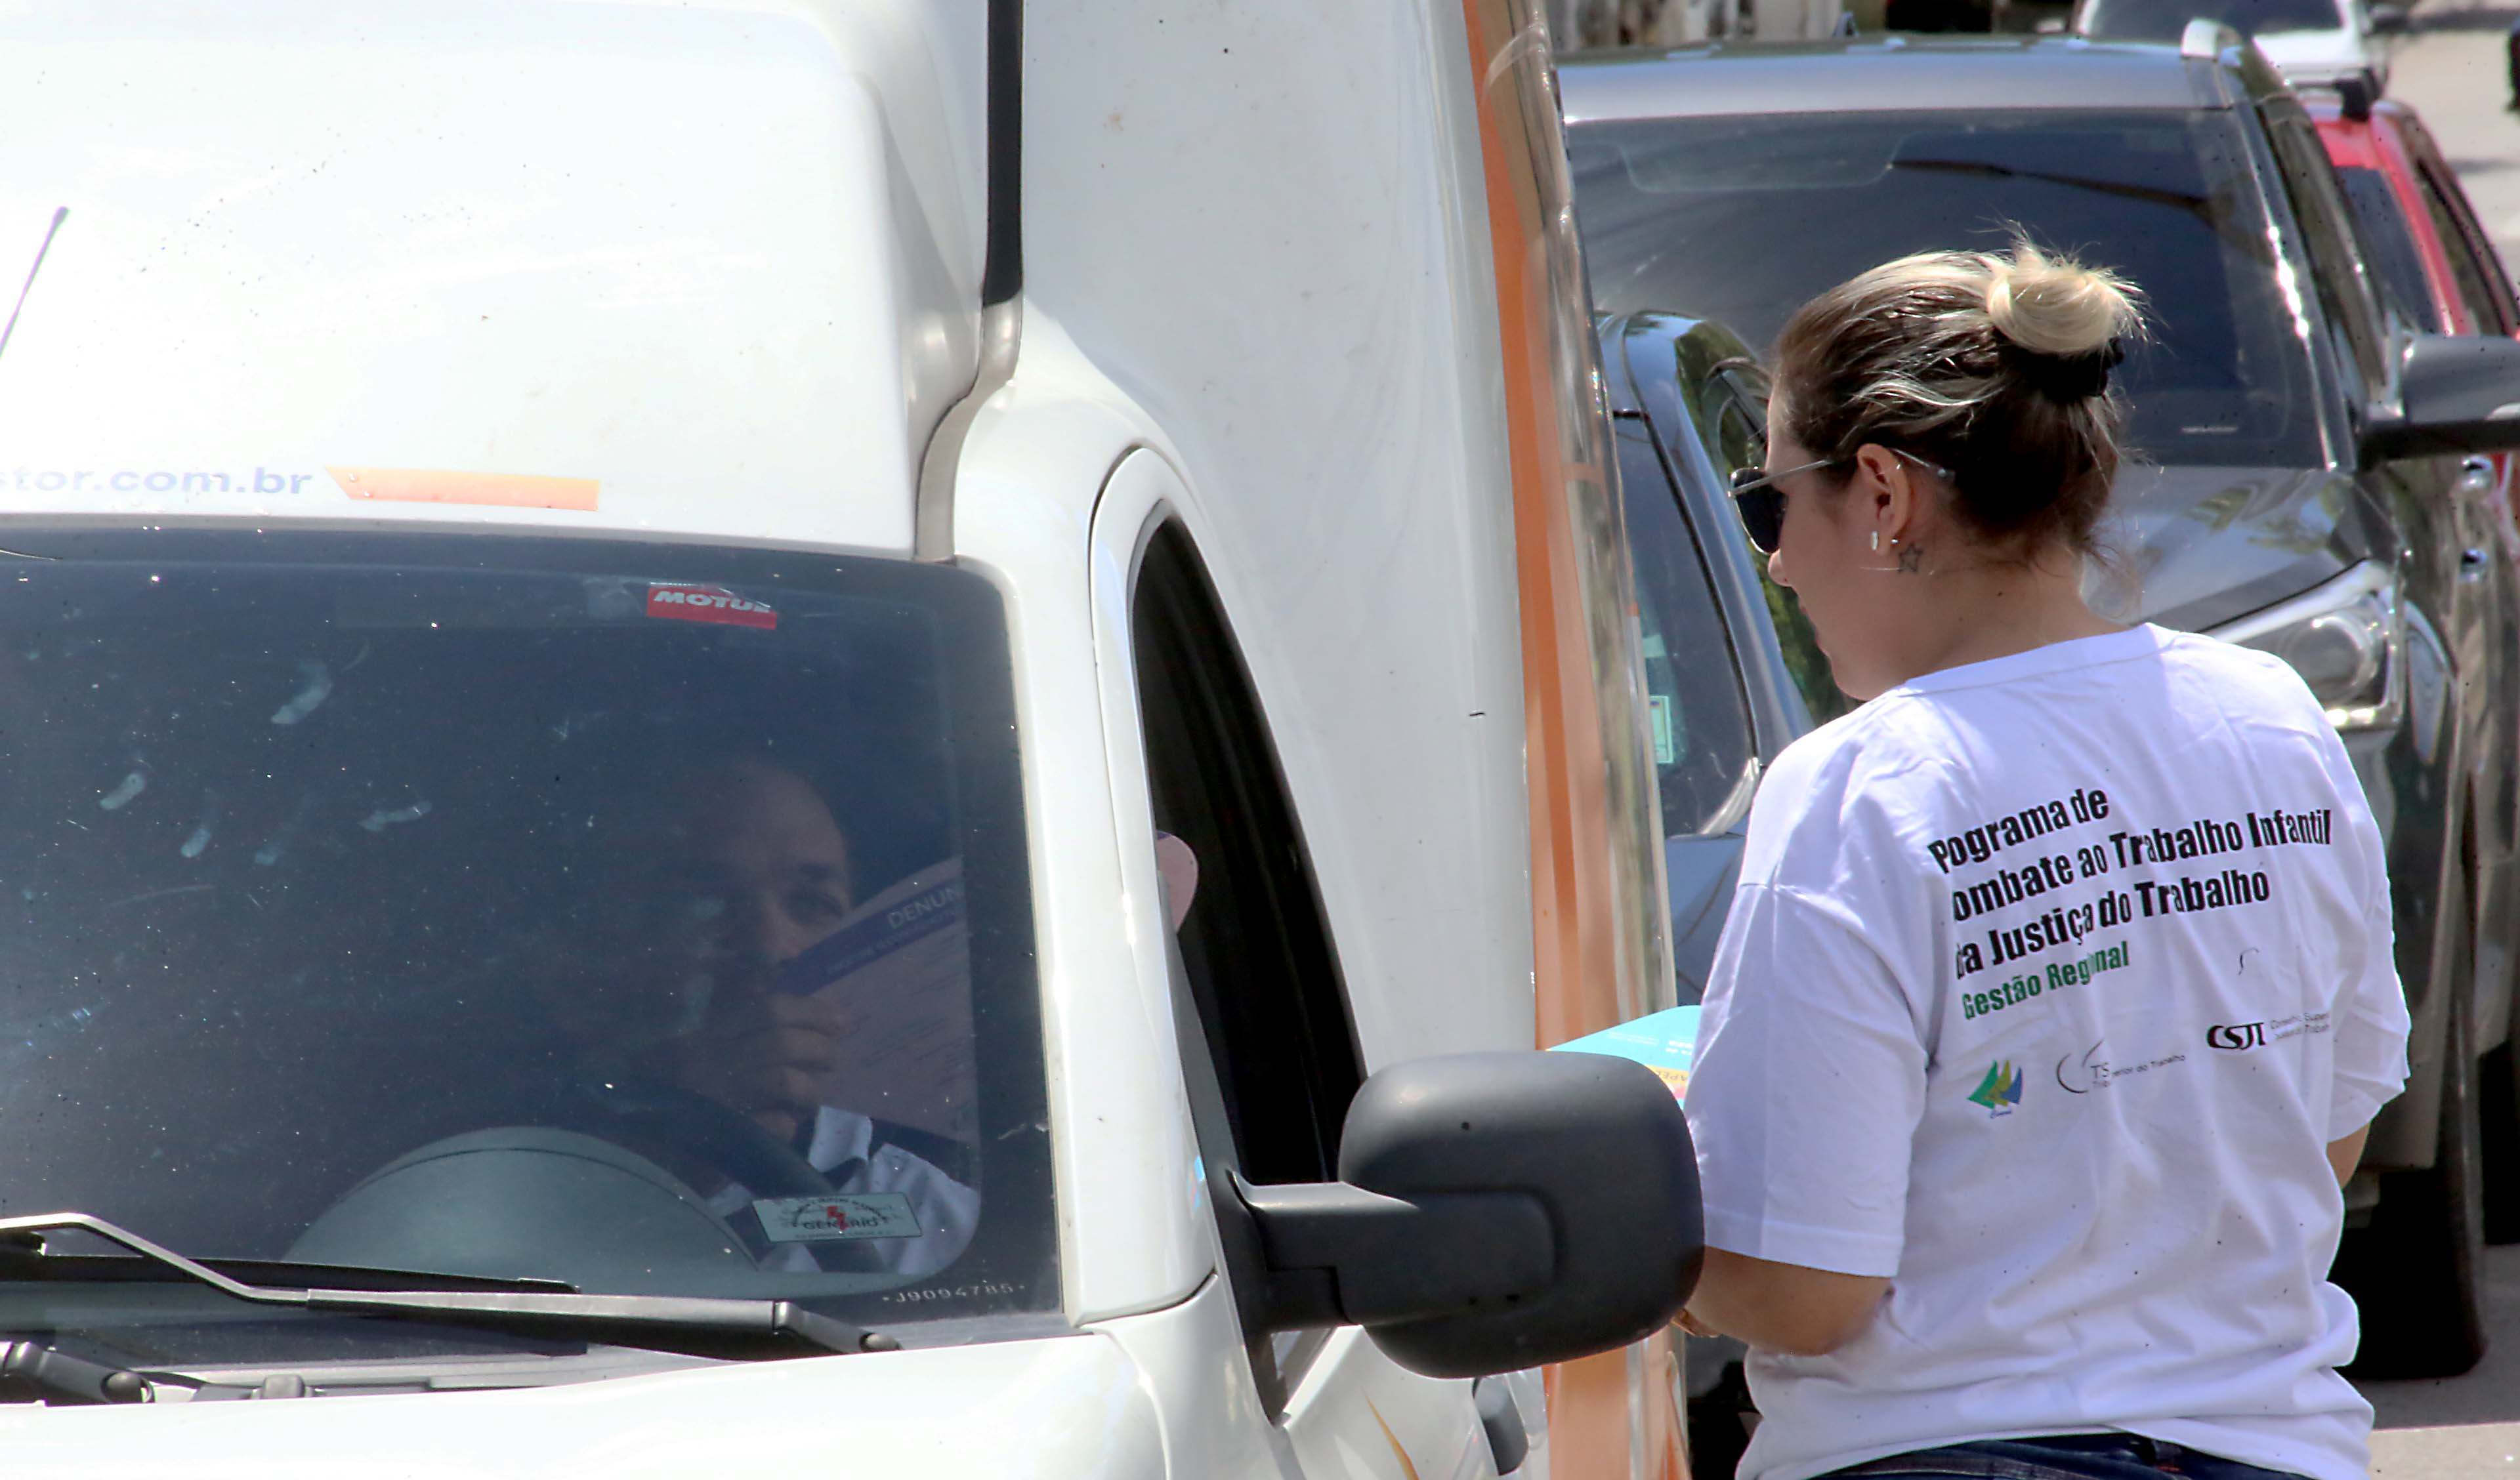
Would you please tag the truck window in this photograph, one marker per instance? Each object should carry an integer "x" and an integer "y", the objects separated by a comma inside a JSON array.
[
  {"x": 1255, "y": 953},
  {"x": 1255, "y": 945},
  {"x": 327, "y": 850}
]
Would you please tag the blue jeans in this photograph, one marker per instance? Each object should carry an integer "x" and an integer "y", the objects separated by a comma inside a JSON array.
[{"x": 2068, "y": 1457}]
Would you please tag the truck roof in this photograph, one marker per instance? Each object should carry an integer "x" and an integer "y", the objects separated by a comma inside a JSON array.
[
  {"x": 1886, "y": 74},
  {"x": 707, "y": 271}
]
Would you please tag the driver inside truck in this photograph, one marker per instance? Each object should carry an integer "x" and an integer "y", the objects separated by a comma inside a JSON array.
[{"x": 707, "y": 903}]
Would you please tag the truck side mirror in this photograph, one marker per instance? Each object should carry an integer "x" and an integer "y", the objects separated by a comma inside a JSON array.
[
  {"x": 2458, "y": 394},
  {"x": 2388, "y": 17},
  {"x": 1497, "y": 1211}
]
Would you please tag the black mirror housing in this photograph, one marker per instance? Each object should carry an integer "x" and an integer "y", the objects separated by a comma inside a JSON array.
[
  {"x": 2459, "y": 393},
  {"x": 1497, "y": 1211},
  {"x": 2388, "y": 17}
]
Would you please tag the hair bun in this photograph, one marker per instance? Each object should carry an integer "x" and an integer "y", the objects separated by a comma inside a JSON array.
[{"x": 2066, "y": 319}]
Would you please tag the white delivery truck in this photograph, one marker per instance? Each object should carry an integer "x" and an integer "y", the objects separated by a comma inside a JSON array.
[{"x": 815, "y": 735}]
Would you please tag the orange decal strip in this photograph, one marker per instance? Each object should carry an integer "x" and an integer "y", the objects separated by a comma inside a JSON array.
[
  {"x": 496, "y": 490},
  {"x": 1614, "y": 1415}
]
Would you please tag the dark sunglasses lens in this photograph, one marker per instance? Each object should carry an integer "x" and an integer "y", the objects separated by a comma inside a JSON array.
[{"x": 1763, "y": 509}]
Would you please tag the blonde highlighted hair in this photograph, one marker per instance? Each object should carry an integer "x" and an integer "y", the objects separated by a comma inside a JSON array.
[{"x": 1994, "y": 365}]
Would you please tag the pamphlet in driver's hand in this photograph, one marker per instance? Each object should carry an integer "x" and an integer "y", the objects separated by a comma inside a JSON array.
[
  {"x": 1664, "y": 1042},
  {"x": 900, "y": 968}
]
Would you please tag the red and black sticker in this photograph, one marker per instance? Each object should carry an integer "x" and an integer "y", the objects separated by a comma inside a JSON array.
[{"x": 708, "y": 604}]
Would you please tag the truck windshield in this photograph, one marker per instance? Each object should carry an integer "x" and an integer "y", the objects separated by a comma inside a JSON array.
[
  {"x": 1741, "y": 219},
  {"x": 647, "y": 919}
]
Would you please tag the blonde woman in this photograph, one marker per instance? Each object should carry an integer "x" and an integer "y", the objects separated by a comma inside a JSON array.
[{"x": 1979, "y": 1196}]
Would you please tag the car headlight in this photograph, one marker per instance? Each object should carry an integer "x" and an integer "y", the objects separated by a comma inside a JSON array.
[{"x": 2345, "y": 637}]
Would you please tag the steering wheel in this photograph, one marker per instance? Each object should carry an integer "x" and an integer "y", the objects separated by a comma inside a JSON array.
[{"x": 640, "y": 1109}]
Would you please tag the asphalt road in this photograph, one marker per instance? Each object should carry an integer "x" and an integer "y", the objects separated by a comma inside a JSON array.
[
  {"x": 2461, "y": 1426},
  {"x": 2450, "y": 69}
]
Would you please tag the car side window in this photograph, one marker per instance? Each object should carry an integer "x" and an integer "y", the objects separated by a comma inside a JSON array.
[
  {"x": 2381, "y": 222},
  {"x": 1741, "y": 424},
  {"x": 2477, "y": 276},
  {"x": 1702, "y": 739},
  {"x": 2345, "y": 292},
  {"x": 1275, "y": 1059}
]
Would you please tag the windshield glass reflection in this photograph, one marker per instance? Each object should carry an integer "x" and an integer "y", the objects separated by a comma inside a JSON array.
[{"x": 646, "y": 919}]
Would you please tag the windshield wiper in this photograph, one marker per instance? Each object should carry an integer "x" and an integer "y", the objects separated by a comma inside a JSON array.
[
  {"x": 562, "y": 1311},
  {"x": 30, "y": 1261},
  {"x": 39, "y": 1371}
]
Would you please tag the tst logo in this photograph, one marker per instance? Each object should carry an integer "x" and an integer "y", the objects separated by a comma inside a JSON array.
[{"x": 2237, "y": 1037}]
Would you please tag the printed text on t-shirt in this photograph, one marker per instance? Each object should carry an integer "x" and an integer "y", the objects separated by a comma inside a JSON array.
[{"x": 2064, "y": 923}]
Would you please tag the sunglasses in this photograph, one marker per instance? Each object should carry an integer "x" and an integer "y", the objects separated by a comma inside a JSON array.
[{"x": 1762, "y": 504}]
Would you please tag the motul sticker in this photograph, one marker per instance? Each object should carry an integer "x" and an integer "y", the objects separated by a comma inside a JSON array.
[
  {"x": 708, "y": 604},
  {"x": 835, "y": 1216}
]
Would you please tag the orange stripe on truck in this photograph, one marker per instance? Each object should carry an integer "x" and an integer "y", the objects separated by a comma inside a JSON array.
[
  {"x": 499, "y": 490},
  {"x": 1616, "y": 1414}
]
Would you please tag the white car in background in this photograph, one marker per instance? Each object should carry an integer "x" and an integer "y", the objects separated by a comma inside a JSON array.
[{"x": 2309, "y": 41}]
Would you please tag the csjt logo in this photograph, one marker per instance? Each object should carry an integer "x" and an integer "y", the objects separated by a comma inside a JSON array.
[{"x": 2236, "y": 1037}]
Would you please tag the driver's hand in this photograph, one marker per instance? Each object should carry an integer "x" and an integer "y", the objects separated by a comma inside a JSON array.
[{"x": 770, "y": 1056}]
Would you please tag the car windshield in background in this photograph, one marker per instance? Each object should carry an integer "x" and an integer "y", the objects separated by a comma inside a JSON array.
[
  {"x": 649, "y": 919},
  {"x": 2166, "y": 19},
  {"x": 1741, "y": 219}
]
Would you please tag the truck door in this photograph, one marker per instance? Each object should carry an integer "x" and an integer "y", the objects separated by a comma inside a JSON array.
[{"x": 1269, "y": 1043}]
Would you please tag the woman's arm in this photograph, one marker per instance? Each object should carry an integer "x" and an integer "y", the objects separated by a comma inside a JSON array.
[
  {"x": 2344, "y": 1152},
  {"x": 1781, "y": 1307}
]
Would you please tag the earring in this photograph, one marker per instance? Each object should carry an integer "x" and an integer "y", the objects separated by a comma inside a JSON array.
[{"x": 1876, "y": 539}]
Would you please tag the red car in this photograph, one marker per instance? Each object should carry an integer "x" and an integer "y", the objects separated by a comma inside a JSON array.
[
  {"x": 2433, "y": 261},
  {"x": 2434, "y": 265}
]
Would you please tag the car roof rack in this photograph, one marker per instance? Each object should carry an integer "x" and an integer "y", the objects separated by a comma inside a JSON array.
[
  {"x": 2204, "y": 39},
  {"x": 2354, "y": 93}
]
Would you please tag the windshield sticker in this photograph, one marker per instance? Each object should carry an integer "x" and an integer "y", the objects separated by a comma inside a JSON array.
[
  {"x": 497, "y": 490},
  {"x": 837, "y": 1216},
  {"x": 709, "y": 603}
]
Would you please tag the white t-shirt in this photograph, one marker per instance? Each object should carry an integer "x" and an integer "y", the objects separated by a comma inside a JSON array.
[{"x": 2046, "y": 983}]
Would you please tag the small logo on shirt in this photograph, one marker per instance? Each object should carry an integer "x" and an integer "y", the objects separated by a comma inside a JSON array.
[
  {"x": 2241, "y": 1037},
  {"x": 2237, "y": 1037},
  {"x": 2093, "y": 1072},
  {"x": 1999, "y": 1090}
]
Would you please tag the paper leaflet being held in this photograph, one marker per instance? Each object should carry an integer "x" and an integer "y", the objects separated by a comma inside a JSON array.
[
  {"x": 1665, "y": 1042},
  {"x": 900, "y": 965}
]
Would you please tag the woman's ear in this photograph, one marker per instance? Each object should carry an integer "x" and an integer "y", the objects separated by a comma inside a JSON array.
[{"x": 1891, "y": 494}]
